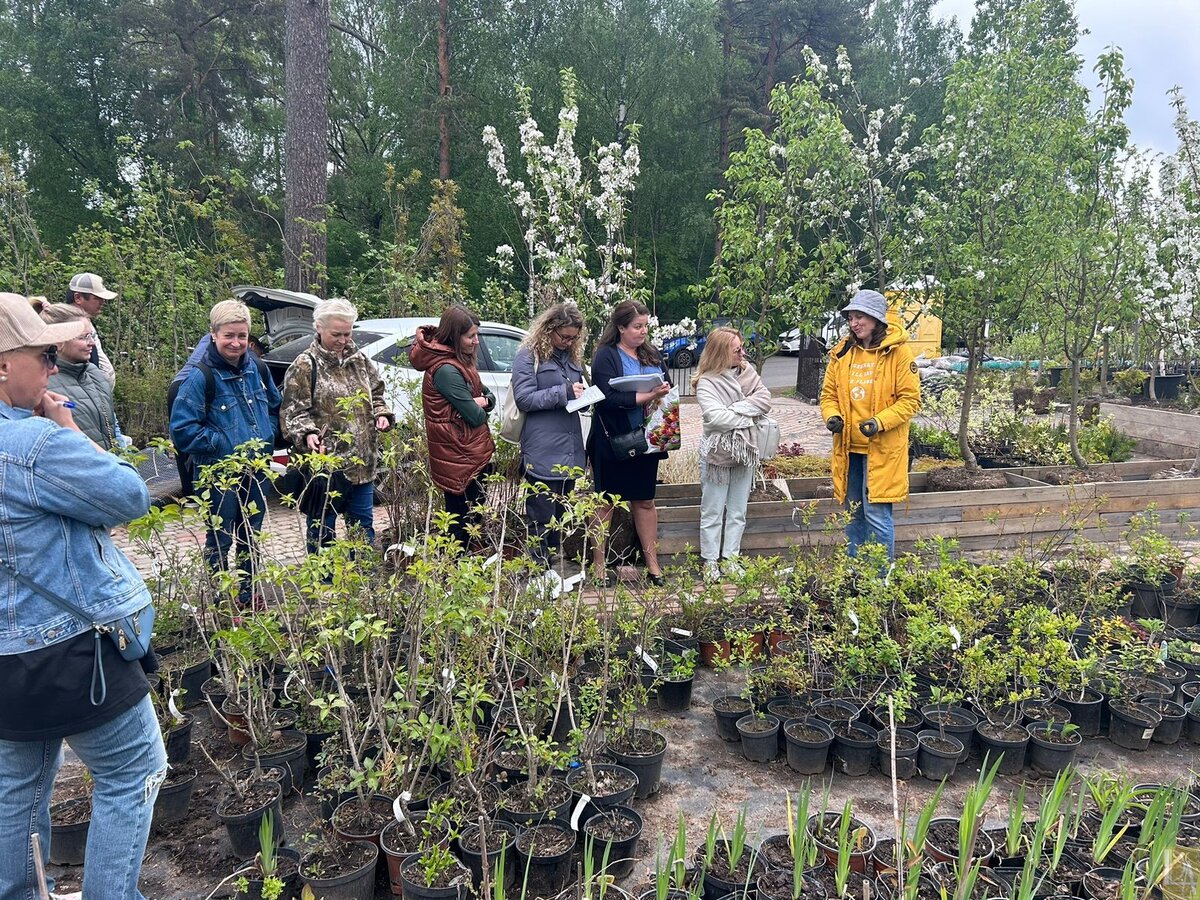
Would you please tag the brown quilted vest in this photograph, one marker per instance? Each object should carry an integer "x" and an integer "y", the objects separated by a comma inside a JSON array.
[{"x": 457, "y": 452}]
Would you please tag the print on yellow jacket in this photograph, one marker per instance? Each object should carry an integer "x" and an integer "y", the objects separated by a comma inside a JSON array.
[{"x": 895, "y": 399}]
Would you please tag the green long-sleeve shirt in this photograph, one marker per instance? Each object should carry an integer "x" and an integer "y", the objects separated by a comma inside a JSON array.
[{"x": 451, "y": 385}]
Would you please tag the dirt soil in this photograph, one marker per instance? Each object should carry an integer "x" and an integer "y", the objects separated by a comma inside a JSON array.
[
  {"x": 701, "y": 774},
  {"x": 958, "y": 478}
]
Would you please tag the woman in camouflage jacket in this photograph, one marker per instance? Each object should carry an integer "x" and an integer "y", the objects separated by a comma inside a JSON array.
[{"x": 340, "y": 411}]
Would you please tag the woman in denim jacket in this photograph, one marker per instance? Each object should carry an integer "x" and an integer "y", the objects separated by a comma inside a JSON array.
[
  {"x": 243, "y": 411},
  {"x": 60, "y": 495}
]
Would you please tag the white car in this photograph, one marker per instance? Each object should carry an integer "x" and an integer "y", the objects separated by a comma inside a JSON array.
[
  {"x": 791, "y": 342},
  {"x": 385, "y": 341}
]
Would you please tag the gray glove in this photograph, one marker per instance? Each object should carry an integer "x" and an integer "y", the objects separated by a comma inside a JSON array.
[
  {"x": 870, "y": 427},
  {"x": 835, "y": 424}
]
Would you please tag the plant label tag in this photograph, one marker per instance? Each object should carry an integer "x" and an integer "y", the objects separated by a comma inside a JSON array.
[
  {"x": 172, "y": 707},
  {"x": 681, "y": 632},
  {"x": 491, "y": 560},
  {"x": 1147, "y": 734},
  {"x": 584, "y": 800},
  {"x": 398, "y": 809},
  {"x": 646, "y": 658}
]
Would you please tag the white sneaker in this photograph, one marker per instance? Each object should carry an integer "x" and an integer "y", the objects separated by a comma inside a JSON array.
[
  {"x": 712, "y": 571},
  {"x": 732, "y": 567}
]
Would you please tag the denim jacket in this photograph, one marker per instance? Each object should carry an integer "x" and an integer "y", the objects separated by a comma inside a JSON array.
[
  {"x": 58, "y": 499},
  {"x": 244, "y": 408}
]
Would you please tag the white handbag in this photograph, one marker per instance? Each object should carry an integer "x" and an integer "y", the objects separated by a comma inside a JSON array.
[{"x": 766, "y": 430}]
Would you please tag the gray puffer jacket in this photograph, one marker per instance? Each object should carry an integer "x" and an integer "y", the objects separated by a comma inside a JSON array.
[
  {"x": 551, "y": 436},
  {"x": 92, "y": 394}
]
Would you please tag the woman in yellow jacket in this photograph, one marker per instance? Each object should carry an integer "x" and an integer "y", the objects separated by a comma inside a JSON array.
[{"x": 871, "y": 392}]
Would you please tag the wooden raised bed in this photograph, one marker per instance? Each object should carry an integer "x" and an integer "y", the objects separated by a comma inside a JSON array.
[
  {"x": 1159, "y": 432},
  {"x": 1025, "y": 514}
]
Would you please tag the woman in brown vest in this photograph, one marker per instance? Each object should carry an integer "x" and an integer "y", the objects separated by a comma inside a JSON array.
[{"x": 456, "y": 404}]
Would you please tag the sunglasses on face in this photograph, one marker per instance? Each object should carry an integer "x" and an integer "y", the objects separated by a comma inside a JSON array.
[{"x": 49, "y": 356}]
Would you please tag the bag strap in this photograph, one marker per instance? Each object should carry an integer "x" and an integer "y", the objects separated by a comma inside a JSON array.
[{"x": 64, "y": 603}]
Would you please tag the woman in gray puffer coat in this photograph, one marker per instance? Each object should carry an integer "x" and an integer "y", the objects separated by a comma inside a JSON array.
[
  {"x": 82, "y": 381},
  {"x": 547, "y": 374}
]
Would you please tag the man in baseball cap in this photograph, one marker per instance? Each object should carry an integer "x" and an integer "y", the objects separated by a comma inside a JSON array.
[{"x": 87, "y": 291}]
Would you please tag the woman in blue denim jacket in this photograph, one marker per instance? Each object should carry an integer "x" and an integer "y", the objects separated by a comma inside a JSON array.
[
  {"x": 59, "y": 496},
  {"x": 244, "y": 409}
]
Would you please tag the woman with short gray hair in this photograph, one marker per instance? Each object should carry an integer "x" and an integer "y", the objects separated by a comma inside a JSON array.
[{"x": 333, "y": 403}]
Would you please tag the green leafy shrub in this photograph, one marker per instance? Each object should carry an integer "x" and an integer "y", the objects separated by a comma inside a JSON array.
[
  {"x": 1129, "y": 381},
  {"x": 1104, "y": 442}
]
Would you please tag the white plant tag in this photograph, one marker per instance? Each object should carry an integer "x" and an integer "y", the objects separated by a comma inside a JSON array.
[
  {"x": 448, "y": 680},
  {"x": 853, "y": 616},
  {"x": 569, "y": 584},
  {"x": 681, "y": 632},
  {"x": 1147, "y": 734},
  {"x": 172, "y": 707},
  {"x": 398, "y": 806},
  {"x": 287, "y": 685},
  {"x": 957, "y": 637},
  {"x": 646, "y": 658},
  {"x": 584, "y": 800},
  {"x": 491, "y": 560},
  {"x": 405, "y": 549}
]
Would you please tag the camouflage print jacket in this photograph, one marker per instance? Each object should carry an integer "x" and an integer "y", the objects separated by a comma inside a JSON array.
[{"x": 352, "y": 436}]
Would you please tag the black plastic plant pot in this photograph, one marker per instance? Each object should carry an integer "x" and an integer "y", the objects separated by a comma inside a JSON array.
[
  {"x": 1191, "y": 726},
  {"x": 502, "y": 835},
  {"x": 807, "y": 745},
  {"x": 1050, "y": 750},
  {"x": 288, "y": 873},
  {"x": 174, "y": 797},
  {"x": 178, "y": 741},
  {"x": 68, "y": 842},
  {"x": 675, "y": 695},
  {"x": 1170, "y": 729},
  {"x": 459, "y": 878},
  {"x": 1086, "y": 706},
  {"x": 620, "y": 849},
  {"x": 543, "y": 873},
  {"x": 292, "y": 755},
  {"x": 554, "y": 802},
  {"x": 1101, "y": 883},
  {"x": 760, "y": 741},
  {"x": 192, "y": 679},
  {"x": 242, "y": 827},
  {"x": 314, "y": 744},
  {"x": 853, "y": 748},
  {"x": 605, "y": 773},
  {"x": 646, "y": 763},
  {"x": 905, "y": 753},
  {"x": 1149, "y": 600},
  {"x": 780, "y": 885},
  {"x": 213, "y": 692},
  {"x": 355, "y": 882},
  {"x": 824, "y": 830},
  {"x": 1131, "y": 725},
  {"x": 728, "y": 710},
  {"x": 938, "y": 755},
  {"x": 1006, "y": 743},
  {"x": 953, "y": 721}
]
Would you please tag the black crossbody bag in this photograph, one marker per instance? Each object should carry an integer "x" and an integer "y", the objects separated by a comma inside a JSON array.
[{"x": 130, "y": 633}]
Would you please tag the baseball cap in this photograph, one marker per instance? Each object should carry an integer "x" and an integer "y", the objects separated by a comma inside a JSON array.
[
  {"x": 87, "y": 283},
  {"x": 21, "y": 327}
]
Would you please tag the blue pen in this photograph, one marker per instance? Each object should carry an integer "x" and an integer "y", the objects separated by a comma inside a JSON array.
[{"x": 68, "y": 404}]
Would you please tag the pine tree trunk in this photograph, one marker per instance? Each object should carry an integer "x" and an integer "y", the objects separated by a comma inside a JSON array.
[
  {"x": 443, "y": 67},
  {"x": 306, "y": 151}
]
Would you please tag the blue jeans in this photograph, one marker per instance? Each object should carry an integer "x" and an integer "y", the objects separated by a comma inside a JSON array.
[
  {"x": 126, "y": 758},
  {"x": 238, "y": 526},
  {"x": 868, "y": 521},
  {"x": 360, "y": 512}
]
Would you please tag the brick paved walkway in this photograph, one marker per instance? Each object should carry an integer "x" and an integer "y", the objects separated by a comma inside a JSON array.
[{"x": 799, "y": 422}]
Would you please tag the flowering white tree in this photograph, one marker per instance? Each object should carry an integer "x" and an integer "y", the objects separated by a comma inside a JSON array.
[
  {"x": 814, "y": 204},
  {"x": 572, "y": 222}
]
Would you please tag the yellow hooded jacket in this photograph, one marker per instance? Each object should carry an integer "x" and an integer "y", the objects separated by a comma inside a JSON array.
[{"x": 896, "y": 397}]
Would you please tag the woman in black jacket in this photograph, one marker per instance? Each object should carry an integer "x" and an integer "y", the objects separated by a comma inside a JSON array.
[{"x": 623, "y": 350}]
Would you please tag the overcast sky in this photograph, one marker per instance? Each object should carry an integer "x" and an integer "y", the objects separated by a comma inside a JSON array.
[{"x": 1161, "y": 43}]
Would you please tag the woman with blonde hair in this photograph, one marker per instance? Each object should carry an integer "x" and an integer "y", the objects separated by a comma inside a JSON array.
[
  {"x": 732, "y": 397},
  {"x": 547, "y": 374}
]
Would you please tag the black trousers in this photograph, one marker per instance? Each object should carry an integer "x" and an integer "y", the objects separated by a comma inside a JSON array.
[
  {"x": 540, "y": 509},
  {"x": 462, "y": 505}
]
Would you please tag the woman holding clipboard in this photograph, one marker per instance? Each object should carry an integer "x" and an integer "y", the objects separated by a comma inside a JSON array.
[{"x": 620, "y": 464}]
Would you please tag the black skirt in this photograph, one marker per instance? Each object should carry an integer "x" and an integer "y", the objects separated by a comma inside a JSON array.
[{"x": 631, "y": 478}]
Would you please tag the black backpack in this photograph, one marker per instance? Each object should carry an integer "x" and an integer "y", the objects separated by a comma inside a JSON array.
[{"x": 183, "y": 461}]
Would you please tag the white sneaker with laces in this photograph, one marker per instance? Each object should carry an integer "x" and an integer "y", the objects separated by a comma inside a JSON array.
[
  {"x": 732, "y": 567},
  {"x": 712, "y": 571}
]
